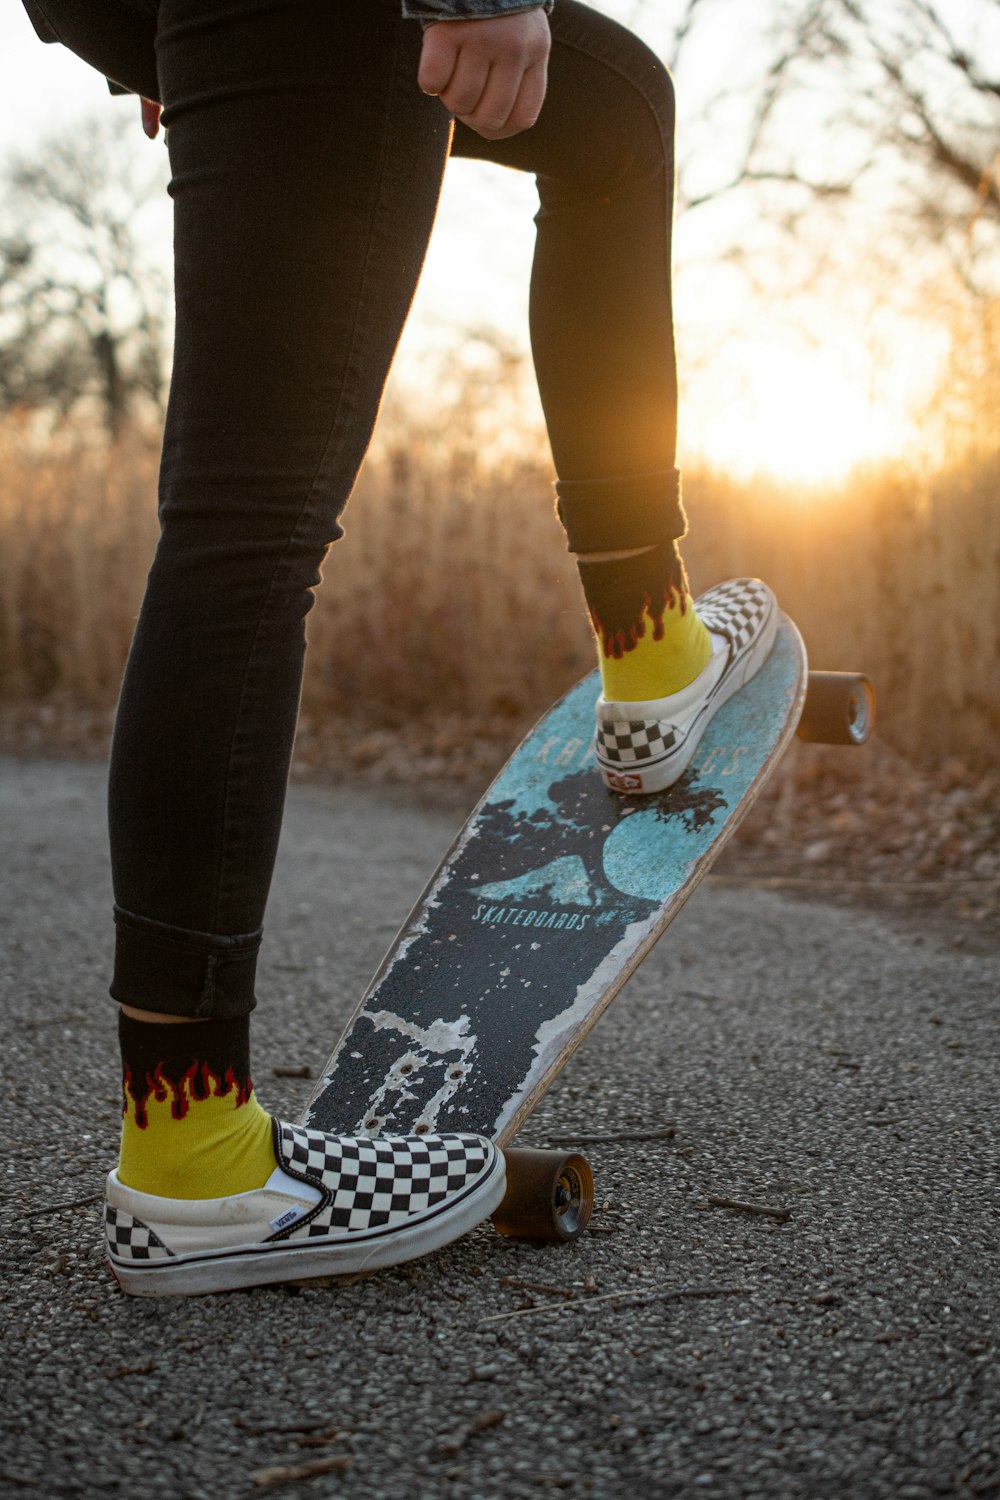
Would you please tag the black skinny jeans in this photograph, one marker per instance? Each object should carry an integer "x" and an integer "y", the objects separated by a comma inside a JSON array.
[{"x": 306, "y": 166}]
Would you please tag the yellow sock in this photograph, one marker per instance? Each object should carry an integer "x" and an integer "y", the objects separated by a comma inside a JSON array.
[
  {"x": 191, "y": 1124},
  {"x": 219, "y": 1147},
  {"x": 650, "y": 642},
  {"x": 667, "y": 656}
]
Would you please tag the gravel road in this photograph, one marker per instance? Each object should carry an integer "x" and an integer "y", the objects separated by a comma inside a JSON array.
[{"x": 833, "y": 1063}]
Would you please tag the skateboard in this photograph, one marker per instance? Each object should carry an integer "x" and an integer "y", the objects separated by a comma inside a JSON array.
[{"x": 549, "y": 899}]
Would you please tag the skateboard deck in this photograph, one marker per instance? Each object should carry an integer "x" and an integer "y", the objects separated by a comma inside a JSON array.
[{"x": 551, "y": 896}]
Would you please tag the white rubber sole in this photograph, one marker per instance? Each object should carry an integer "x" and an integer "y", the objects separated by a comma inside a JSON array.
[
  {"x": 642, "y": 780},
  {"x": 242, "y": 1266}
]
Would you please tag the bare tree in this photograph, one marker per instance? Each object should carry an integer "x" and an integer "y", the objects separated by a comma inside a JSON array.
[
  {"x": 892, "y": 103},
  {"x": 83, "y": 308}
]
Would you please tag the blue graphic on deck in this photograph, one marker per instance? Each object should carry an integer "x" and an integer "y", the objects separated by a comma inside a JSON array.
[
  {"x": 562, "y": 882},
  {"x": 727, "y": 760},
  {"x": 556, "y": 874},
  {"x": 562, "y": 744}
]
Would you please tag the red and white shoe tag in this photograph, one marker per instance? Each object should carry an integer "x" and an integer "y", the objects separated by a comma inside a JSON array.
[{"x": 628, "y": 782}]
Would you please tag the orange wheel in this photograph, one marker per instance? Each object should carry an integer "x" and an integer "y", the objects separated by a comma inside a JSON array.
[{"x": 550, "y": 1195}]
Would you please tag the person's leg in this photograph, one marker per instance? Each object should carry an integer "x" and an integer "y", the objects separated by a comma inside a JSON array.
[
  {"x": 306, "y": 168},
  {"x": 603, "y": 345},
  {"x": 602, "y": 321},
  {"x": 601, "y": 307}
]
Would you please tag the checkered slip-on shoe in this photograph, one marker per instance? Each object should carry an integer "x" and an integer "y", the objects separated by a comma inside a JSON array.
[
  {"x": 335, "y": 1205},
  {"x": 647, "y": 746}
]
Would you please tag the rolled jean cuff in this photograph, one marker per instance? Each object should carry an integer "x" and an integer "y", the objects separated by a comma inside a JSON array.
[
  {"x": 182, "y": 973},
  {"x": 612, "y": 515}
]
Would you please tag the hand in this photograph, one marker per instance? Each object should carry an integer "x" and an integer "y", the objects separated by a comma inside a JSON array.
[
  {"x": 151, "y": 117},
  {"x": 491, "y": 74}
]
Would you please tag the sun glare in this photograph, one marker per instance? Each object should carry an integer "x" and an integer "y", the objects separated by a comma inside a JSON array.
[{"x": 792, "y": 417}]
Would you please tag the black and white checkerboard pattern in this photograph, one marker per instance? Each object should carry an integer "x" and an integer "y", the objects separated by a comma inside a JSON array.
[
  {"x": 131, "y": 1239},
  {"x": 628, "y": 742},
  {"x": 737, "y": 610},
  {"x": 380, "y": 1181}
]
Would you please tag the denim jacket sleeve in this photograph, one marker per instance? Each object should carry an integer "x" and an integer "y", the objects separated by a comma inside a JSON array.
[{"x": 468, "y": 10}]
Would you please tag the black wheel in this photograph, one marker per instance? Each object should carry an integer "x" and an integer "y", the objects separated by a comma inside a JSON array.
[
  {"x": 550, "y": 1195},
  {"x": 839, "y": 709}
]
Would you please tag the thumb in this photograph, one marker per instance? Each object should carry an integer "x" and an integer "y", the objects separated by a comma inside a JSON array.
[{"x": 437, "y": 60}]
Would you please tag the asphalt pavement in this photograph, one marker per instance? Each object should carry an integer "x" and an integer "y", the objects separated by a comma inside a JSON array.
[{"x": 833, "y": 1065}]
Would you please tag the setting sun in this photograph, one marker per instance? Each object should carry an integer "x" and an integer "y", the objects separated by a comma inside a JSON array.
[{"x": 791, "y": 415}]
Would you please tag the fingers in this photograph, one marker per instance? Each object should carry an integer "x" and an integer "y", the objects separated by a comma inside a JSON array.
[
  {"x": 490, "y": 74},
  {"x": 150, "y": 117},
  {"x": 490, "y": 119},
  {"x": 438, "y": 57}
]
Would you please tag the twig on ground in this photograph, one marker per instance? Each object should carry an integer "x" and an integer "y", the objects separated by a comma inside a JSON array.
[
  {"x": 318, "y": 1439},
  {"x": 292, "y": 1070},
  {"x": 54, "y": 1208},
  {"x": 767, "y": 1210},
  {"x": 666, "y": 1134},
  {"x": 277, "y": 1474},
  {"x": 537, "y": 1286},
  {"x": 124, "y": 1372},
  {"x": 485, "y": 1420},
  {"x": 665, "y": 1294},
  {"x": 271, "y": 1429}
]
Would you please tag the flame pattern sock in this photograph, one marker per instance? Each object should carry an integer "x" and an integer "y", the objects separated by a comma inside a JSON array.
[
  {"x": 650, "y": 642},
  {"x": 191, "y": 1123}
]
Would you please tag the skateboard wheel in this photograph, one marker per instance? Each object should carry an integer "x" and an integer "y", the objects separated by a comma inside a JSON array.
[
  {"x": 550, "y": 1195},
  {"x": 839, "y": 709}
]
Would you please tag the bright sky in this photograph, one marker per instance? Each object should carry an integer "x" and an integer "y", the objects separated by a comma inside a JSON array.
[{"x": 803, "y": 391}]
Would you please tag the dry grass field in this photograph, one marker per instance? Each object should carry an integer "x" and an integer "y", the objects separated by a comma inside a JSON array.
[
  {"x": 450, "y": 617},
  {"x": 452, "y": 595}
]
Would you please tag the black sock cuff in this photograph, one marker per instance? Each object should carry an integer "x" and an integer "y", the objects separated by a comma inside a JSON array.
[
  {"x": 633, "y": 594},
  {"x": 169, "y": 1052}
]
